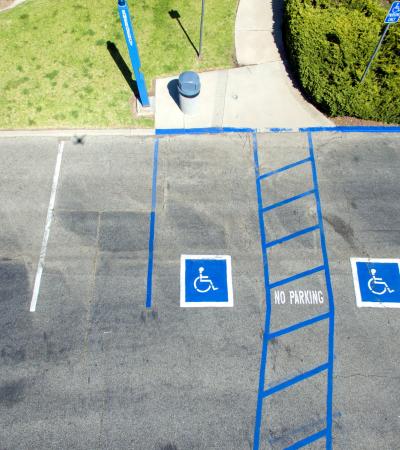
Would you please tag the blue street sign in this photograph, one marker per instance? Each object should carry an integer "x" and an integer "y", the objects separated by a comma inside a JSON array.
[
  {"x": 393, "y": 15},
  {"x": 376, "y": 282},
  {"x": 206, "y": 281},
  {"x": 133, "y": 50}
]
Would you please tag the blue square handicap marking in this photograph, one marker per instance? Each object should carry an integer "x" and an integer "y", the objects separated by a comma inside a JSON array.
[
  {"x": 376, "y": 282},
  {"x": 206, "y": 281}
]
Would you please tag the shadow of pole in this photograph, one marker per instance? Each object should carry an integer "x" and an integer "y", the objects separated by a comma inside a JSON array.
[
  {"x": 122, "y": 66},
  {"x": 175, "y": 15}
]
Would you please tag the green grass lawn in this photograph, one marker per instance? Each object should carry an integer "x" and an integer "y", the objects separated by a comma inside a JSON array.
[{"x": 56, "y": 70}]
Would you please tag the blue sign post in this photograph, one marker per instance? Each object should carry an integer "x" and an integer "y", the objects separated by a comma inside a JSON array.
[
  {"x": 206, "y": 281},
  {"x": 376, "y": 282},
  {"x": 393, "y": 16},
  {"x": 133, "y": 51}
]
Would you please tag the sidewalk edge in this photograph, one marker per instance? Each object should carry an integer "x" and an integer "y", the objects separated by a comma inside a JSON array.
[{"x": 79, "y": 132}]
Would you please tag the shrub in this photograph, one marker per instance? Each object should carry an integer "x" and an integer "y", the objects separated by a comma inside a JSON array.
[{"x": 329, "y": 43}]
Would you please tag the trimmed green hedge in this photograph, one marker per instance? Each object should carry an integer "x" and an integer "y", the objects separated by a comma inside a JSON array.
[{"x": 329, "y": 43}]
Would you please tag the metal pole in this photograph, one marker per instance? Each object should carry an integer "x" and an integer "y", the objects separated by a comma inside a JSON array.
[
  {"x": 375, "y": 52},
  {"x": 201, "y": 26},
  {"x": 133, "y": 51}
]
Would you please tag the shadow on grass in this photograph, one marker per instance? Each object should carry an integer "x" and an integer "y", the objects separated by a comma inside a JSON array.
[
  {"x": 122, "y": 66},
  {"x": 175, "y": 15}
]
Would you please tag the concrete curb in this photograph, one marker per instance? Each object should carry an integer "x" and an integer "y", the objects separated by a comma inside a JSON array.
[
  {"x": 79, "y": 132},
  {"x": 13, "y": 5}
]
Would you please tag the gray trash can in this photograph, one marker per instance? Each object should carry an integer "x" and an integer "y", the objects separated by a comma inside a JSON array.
[{"x": 189, "y": 90}]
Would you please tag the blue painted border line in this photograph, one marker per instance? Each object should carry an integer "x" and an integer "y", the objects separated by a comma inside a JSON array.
[
  {"x": 210, "y": 130},
  {"x": 298, "y": 325},
  {"x": 308, "y": 440},
  {"x": 284, "y": 168},
  {"x": 267, "y": 325},
  {"x": 152, "y": 226},
  {"x": 292, "y": 236},
  {"x": 288, "y": 200},
  {"x": 330, "y": 297},
  {"x": 296, "y": 277},
  {"x": 279, "y": 130},
  {"x": 355, "y": 129},
  {"x": 295, "y": 380},
  {"x": 340, "y": 129},
  {"x": 302, "y": 429}
]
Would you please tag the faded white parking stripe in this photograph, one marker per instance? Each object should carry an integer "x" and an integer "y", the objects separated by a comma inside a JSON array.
[{"x": 42, "y": 257}]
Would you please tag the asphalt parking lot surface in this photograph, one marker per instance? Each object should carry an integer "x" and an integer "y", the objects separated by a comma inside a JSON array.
[{"x": 109, "y": 359}]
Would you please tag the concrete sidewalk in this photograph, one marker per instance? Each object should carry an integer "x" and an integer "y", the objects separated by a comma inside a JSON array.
[
  {"x": 260, "y": 96},
  {"x": 12, "y": 5},
  {"x": 258, "y": 37}
]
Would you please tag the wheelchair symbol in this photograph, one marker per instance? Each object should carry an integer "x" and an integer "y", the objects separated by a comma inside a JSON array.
[
  {"x": 378, "y": 283},
  {"x": 203, "y": 279},
  {"x": 396, "y": 9}
]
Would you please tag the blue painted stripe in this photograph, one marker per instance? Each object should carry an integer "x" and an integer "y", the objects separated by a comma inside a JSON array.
[
  {"x": 154, "y": 178},
  {"x": 292, "y": 236},
  {"x": 267, "y": 335},
  {"x": 280, "y": 130},
  {"x": 355, "y": 129},
  {"x": 216, "y": 130},
  {"x": 210, "y": 130},
  {"x": 152, "y": 227},
  {"x": 282, "y": 169},
  {"x": 288, "y": 200},
  {"x": 308, "y": 440},
  {"x": 298, "y": 325},
  {"x": 296, "y": 277},
  {"x": 263, "y": 363},
  {"x": 330, "y": 297},
  {"x": 295, "y": 380}
]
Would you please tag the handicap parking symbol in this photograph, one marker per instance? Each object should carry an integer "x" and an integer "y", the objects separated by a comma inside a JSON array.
[
  {"x": 206, "y": 280},
  {"x": 376, "y": 282}
]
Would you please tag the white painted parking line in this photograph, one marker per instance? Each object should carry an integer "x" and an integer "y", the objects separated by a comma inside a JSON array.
[{"x": 46, "y": 234}]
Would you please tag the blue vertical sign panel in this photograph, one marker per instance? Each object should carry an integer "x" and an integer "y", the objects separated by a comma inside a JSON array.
[
  {"x": 133, "y": 50},
  {"x": 206, "y": 281},
  {"x": 376, "y": 282},
  {"x": 393, "y": 15}
]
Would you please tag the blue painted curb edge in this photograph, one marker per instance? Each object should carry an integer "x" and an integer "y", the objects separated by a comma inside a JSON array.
[
  {"x": 211, "y": 130},
  {"x": 353, "y": 129},
  {"x": 217, "y": 130}
]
